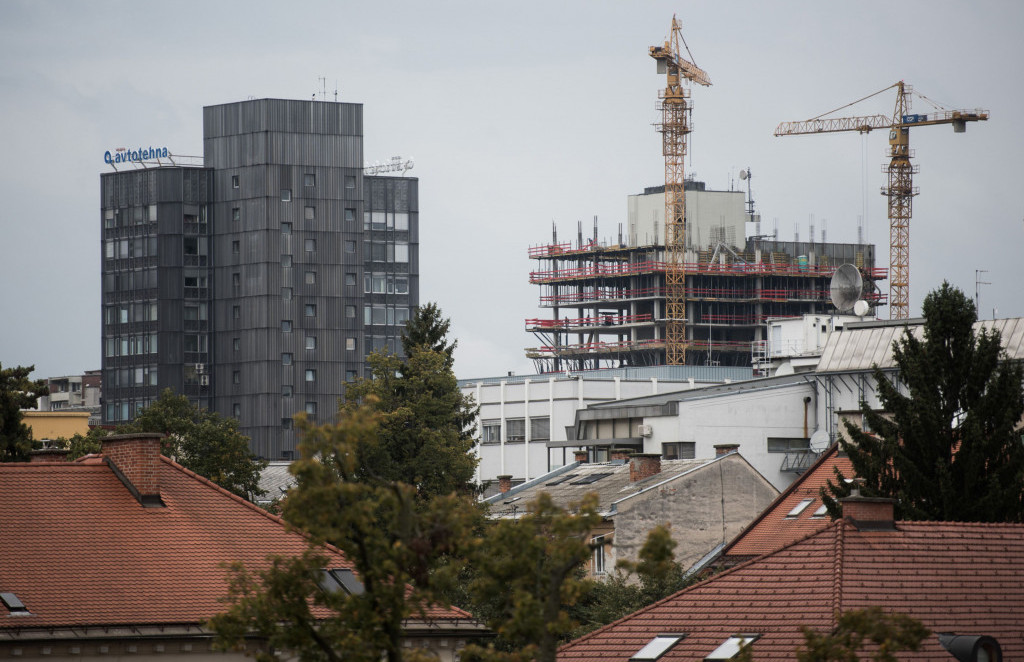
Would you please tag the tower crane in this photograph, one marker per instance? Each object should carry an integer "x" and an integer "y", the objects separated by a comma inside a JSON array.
[
  {"x": 901, "y": 190},
  {"x": 675, "y": 125}
]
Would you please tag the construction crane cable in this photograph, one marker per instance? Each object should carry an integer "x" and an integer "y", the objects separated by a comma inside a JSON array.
[{"x": 853, "y": 102}]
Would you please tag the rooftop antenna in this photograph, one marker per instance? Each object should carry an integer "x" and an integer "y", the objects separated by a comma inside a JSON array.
[
  {"x": 335, "y": 90},
  {"x": 845, "y": 290},
  {"x": 824, "y": 227},
  {"x": 978, "y": 282},
  {"x": 745, "y": 175}
]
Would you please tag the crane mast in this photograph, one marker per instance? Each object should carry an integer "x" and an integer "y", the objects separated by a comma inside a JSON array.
[
  {"x": 675, "y": 126},
  {"x": 900, "y": 190}
]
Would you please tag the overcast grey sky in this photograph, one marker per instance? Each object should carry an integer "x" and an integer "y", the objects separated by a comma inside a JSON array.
[{"x": 517, "y": 114}]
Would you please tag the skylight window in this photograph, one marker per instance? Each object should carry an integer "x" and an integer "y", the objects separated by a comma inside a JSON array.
[
  {"x": 821, "y": 511},
  {"x": 512, "y": 500},
  {"x": 658, "y": 646},
  {"x": 14, "y": 605},
  {"x": 800, "y": 507},
  {"x": 732, "y": 645},
  {"x": 560, "y": 480},
  {"x": 340, "y": 579},
  {"x": 592, "y": 478}
]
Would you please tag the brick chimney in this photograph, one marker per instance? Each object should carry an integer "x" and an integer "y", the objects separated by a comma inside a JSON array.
[
  {"x": 48, "y": 455},
  {"x": 643, "y": 465},
  {"x": 619, "y": 455},
  {"x": 135, "y": 459},
  {"x": 580, "y": 456},
  {"x": 723, "y": 449},
  {"x": 505, "y": 483},
  {"x": 869, "y": 513}
]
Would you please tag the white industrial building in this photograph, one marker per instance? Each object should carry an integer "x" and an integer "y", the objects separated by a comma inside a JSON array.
[{"x": 525, "y": 421}]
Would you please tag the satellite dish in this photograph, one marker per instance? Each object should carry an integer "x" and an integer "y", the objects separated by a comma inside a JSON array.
[
  {"x": 846, "y": 287},
  {"x": 860, "y": 309},
  {"x": 743, "y": 174},
  {"x": 819, "y": 441}
]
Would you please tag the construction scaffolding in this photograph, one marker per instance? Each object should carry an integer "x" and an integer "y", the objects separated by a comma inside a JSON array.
[{"x": 608, "y": 302}]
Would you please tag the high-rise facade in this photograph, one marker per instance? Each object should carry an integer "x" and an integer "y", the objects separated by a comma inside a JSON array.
[{"x": 258, "y": 283}]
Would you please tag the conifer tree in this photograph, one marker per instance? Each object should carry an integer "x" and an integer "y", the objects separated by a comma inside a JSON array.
[
  {"x": 949, "y": 445},
  {"x": 17, "y": 392}
]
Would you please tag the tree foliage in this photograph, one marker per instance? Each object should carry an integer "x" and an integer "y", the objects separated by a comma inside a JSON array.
[
  {"x": 949, "y": 445},
  {"x": 202, "y": 441},
  {"x": 426, "y": 424},
  {"x": 394, "y": 542},
  {"x": 17, "y": 392},
  {"x": 84, "y": 444},
  {"x": 528, "y": 572},
  {"x": 883, "y": 634}
]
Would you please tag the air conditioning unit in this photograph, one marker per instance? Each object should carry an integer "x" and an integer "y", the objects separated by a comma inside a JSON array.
[
  {"x": 204, "y": 380},
  {"x": 644, "y": 430},
  {"x": 200, "y": 368}
]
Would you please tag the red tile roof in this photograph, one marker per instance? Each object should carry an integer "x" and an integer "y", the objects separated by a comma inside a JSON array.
[
  {"x": 775, "y": 528},
  {"x": 78, "y": 549},
  {"x": 954, "y": 577}
]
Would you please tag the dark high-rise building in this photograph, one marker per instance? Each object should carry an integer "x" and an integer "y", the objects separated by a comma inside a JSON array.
[{"x": 257, "y": 283}]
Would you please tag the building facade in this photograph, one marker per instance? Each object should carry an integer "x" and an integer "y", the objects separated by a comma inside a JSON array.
[{"x": 256, "y": 283}]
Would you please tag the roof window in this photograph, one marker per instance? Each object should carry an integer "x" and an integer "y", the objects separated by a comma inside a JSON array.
[
  {"x": 340, "y": 579},
  {"x": 560, "y": 480},
  {"x": 15, "y": 606},
  {"x": 800, "y": 507},
  {"x": 732, "y": 646},
  {"x": 592, "y": 478},
  {"x": 658, "y": 646},
  {"x": 821, "y": 511}
]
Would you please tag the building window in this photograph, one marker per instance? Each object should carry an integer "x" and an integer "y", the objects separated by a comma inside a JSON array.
[
  {"x": 310, "y": 342},
  {"x": 350, "y": 215},
  {"x": 401, "y": 221},
  {"x": 799, "y": 508},
  {"x": 236, "y": 311},
  {"x": 234, "y": 181},
  {"x": 236, "y": 376},
  {"x": 309, "y": 179},
  {"x": 310, "y": 278},
  {"x": 236, "y": 214},
  {"x": 350, "y": 246},
  {"x": 286, "y": 358},
  {"x": 350, "y": 280},
  {"x": 286, "y": 390},
  {"x": 540, "y": 429},
  {"x": 236, "y": 281},
  {"x": 350, "y": 311},
  {"x": 350, "y": 344},
  {"x": 310, "y": 213},
  {"x": 597, "y": 543},
  {"x": 286, "y": 424},
  {"x": 491, "y": 432},
  {"x": 788, "y": 444},
  {"x": 515, "y": 430},
  {"x": 310, "y": 375},
  {"x": 350, "y": 181},
  {"x": 401, "y": 252},
  {"x": 311, "y": 408},
  {"x": 286, "y": 227},
  {"x": 286, "y": 326},
  {"x": 236, "y": 247},
  {"x": 236, "y": 344},
  {"x": 679, "y": 450},
  {"x": 286, "y": 293},
  {"x": 310, "y": 245},
  {"x": 286, "y": 260},
  {"x": 236, "y": 410},
  {"x": 310, "y": 310},
  {"x": 286, "y": 195},
  {"x": 350, "y": 375}
]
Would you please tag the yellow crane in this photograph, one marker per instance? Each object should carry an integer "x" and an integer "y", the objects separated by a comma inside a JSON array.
[
  {"x": 675, "y": 125},
  {"x": 900, "y": 191}
]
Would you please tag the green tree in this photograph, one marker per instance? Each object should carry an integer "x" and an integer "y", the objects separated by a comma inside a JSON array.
[
  {"x": 17, "y": 392},
  {"x": 528, "y": 573},
  {"x": 392, "y": 540},
  {"x": 83, "y": 444},
  {"x": 202, "y": 441},
  {"x": 949, "y": 446},
  {"x": 883, "y": 633},
  {"x": 426, "y": 423}
]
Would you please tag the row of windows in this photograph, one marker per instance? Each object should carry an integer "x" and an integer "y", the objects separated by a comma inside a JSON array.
[
  {"x": 382, "y": 283},
  {"x": 379, "y": 220},
  {"x": 515, "y": 430},
  {"x": 118, "y": 218},
  {"x": 127, "y": 377},
  {"x": 379, "y": 251},
  {"x": 131, "y": 312},
  {"x": 116, "y": 249},
  {"x": 286, "y": 423},
  {"x": 381, "y": 314},
  {"x": 126, "y": 410},
  {"x": 130, "y": 345},
  {"x": 126, "y": 281},
  {"x": 308, "y": 214}
]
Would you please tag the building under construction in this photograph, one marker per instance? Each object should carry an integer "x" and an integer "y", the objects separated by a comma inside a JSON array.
[{"x": 607, "y": 300}]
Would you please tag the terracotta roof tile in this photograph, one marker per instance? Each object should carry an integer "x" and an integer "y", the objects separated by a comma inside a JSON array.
[
  {"x": 78, "y": 549},
  {"x": 954, "y": 577}
]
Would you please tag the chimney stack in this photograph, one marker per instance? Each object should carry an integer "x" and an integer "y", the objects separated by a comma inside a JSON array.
[
  {"x": 643, "y": 465},
  {"x": 135, "y": 459},
  {"x": 724, "y": 449},
  {"x": 49, "y": 455},
  {"x": 505, "y": 483},
  {"x": 580, "y": 456},
  {"x": 619, "y": 455},
  {"x": 869, "y": 513}
]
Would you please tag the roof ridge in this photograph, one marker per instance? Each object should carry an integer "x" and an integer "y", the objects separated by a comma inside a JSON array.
[{"x": 837, "y": 571}]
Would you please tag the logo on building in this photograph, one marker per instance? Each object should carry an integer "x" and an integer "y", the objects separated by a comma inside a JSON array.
[
  {"x": 397, "y": 164},
  {"x": 125, "y": 155}
]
